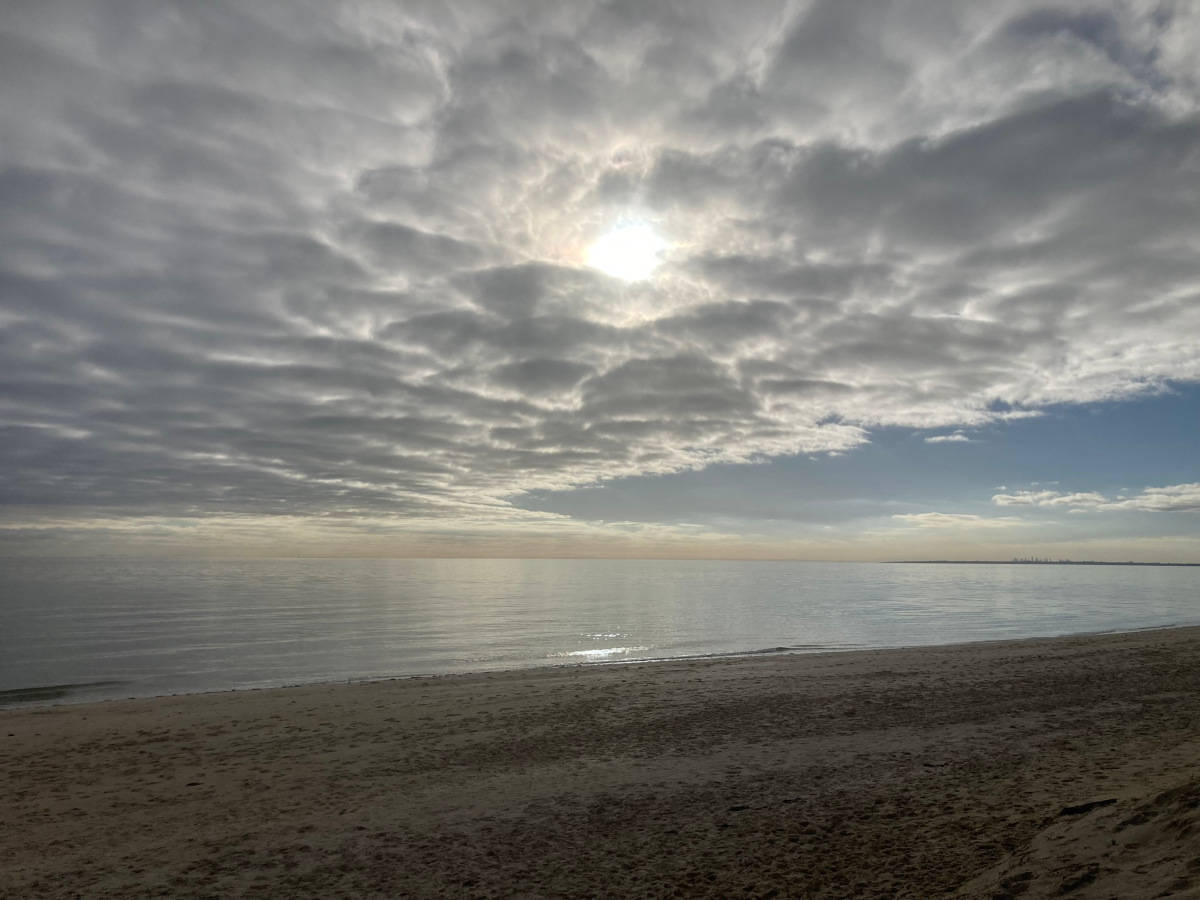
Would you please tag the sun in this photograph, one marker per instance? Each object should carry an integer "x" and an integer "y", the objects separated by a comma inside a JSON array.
[{"x": 629, "y": 251}]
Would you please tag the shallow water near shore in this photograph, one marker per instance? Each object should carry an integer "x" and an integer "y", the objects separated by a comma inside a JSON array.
[{"x": 87, "y": 629}]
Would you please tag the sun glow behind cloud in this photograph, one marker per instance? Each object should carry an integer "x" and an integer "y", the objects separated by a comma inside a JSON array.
[{"x": 629, "y": 251}]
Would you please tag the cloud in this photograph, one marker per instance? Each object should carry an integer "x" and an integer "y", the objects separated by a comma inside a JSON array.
[
  {"x": 957, "y": 520},
  {"x": 1049, "y": 499},
  {"x": 330, "y": 262},
  {"x": 541, "y": 376},
  {"x": 956, "y": 437},
  {"x": 1169, "y": 498}
]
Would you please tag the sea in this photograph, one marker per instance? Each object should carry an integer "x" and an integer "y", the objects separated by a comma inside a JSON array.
[{"x": 74, "y": 630}]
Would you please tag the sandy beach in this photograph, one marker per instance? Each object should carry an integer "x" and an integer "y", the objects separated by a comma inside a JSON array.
[{"x": 1062, "y": 767}]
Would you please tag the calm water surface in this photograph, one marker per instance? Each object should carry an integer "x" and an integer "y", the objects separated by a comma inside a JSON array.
[{"x": 118, "y": 628}]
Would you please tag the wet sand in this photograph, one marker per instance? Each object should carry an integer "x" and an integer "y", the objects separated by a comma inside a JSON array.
[{"x": 977, "y": 770}]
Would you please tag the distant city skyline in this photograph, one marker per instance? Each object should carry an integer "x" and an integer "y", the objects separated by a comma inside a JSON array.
[{"x": 800, "y": 280}]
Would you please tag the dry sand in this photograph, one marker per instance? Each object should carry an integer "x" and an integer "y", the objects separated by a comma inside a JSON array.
[{"x": 910, "y": 773}]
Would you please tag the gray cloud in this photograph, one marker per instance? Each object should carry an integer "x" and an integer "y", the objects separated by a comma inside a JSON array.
[
  {"x": 541, "y": 376},
  {"x": 391, "y": 246},
  {"x": 329, "y": 260}
]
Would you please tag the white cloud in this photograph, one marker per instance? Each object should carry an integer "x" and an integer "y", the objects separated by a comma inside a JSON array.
[
  {"x": 1049, "y": 499},
  {"x": 1170, "y": 498},
  {"x": 957, "y": 520},
  {"x": 956, "y": 437}
]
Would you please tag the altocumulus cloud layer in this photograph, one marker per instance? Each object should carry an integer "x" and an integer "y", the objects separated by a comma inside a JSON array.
[{"x": 328, "y": 259}]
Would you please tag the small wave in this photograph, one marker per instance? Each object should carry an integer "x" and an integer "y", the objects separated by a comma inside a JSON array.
[
  {"x": 616, "y": 655},
  {"x": 45, "y": 692}
]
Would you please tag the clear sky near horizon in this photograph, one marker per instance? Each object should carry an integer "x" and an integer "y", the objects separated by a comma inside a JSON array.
[{"x": 821, "y": 279}]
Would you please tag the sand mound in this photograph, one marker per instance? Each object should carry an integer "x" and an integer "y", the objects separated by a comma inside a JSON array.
[{"x": 1109, "y": 847}]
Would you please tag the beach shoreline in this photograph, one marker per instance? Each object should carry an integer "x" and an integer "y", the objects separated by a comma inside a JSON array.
[
  {"x": 75, "y": 694},
  {"x": 901, "y": 772}
]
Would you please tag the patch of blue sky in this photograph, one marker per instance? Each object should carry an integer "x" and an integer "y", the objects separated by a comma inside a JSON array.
[{"x": 1109, "y": 448}]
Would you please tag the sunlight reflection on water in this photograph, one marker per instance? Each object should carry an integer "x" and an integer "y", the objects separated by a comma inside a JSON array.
[{"x": 605, "y": 653}]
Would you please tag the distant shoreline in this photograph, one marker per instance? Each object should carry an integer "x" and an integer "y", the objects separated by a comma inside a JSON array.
[{"x": 1042, "y": 562}]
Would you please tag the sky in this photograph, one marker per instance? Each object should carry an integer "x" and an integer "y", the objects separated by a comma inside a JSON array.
[{"x": 815, "y": 279}]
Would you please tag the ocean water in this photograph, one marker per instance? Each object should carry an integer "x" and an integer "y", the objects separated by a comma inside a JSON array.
[{"x": 85, "y": 629}]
